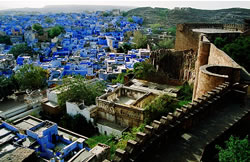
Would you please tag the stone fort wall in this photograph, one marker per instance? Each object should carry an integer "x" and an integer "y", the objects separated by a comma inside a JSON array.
[
  {"x": 213, "y": 67},
  {"x": 163, "y": 131},
  {"x": 187, "y": 39}
]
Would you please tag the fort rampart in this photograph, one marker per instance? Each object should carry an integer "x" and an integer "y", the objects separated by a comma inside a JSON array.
[{"x": 165, "y": 130}]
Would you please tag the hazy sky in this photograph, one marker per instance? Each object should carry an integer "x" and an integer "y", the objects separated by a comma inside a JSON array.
[{"x": 202, "y": 4}]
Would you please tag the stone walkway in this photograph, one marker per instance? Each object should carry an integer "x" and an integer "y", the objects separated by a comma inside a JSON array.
[{"x": 189, "y": 146}]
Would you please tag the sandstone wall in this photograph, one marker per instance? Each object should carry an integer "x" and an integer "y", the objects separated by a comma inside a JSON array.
[
  {"x": 177, "y": 65},
  {"x": 185, "y": 38},
  {"x": 211, "y": 76},
  {"x": 219, "y": 57},
  {"x": 127, "y": 116},
  {"x": 170, "y": 127}
]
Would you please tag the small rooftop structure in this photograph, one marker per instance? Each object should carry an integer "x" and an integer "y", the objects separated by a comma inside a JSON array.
[
  {"x": 52, "y": 142},
  {"x": 123, "y": 107}
]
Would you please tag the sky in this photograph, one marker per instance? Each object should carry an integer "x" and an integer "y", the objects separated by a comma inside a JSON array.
[{"x": 201, "y": 4}]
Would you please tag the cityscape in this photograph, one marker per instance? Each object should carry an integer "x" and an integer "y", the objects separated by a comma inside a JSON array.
[{"x": 124, "y": 83}]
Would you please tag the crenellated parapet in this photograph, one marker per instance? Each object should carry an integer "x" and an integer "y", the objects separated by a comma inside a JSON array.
[{"x": 168, "y": 128}]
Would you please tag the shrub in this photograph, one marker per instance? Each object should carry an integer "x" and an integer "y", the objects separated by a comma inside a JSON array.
[{"x": 235, "y": 150}]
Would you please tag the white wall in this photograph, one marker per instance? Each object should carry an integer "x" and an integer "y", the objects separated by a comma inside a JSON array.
[
  {"x": 52, "y": 96},
  {"x": 103, "y": 129},
  {"x": 73, "y": 109}
]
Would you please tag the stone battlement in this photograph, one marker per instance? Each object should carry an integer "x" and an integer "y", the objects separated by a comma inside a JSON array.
[{"x": 173, "y": 125}]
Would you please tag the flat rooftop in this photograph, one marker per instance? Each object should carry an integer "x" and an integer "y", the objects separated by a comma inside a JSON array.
[
  {"x": 125, "y": 100},
  {"x": 213, "y": 31},
  {"x": 155, "y": 88},
  {"x": 30, "y": 121}
]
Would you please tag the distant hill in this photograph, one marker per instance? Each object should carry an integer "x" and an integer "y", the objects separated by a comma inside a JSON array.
[
  {"x": 172, "y": 17},
  {"x": 69, "y": 8}
]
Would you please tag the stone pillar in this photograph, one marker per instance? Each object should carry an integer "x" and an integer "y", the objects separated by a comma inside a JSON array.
[{"x": 202, "y": 59}]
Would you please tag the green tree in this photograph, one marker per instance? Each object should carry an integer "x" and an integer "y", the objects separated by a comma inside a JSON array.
[
  {"x": 220, "y": 42},
  {"x": 166, "y": 43},
  {"x": 55, "y": 31},
  {"x": 77, "y": 89},
  {"x": 38, "y": 28},
  {"x": 49, "y": 20},
  {"x": 235, "y": 150},
  {"x": 19, "y": 49},
  {"x": 160, "y": 106},
  {"x": 144, "y": 70},
  {"x": 31, "y": 77},
  {"x": 78, "y": 124},
  {"x": 5, "y": 40},
  {"x": 130, "y": 20},
  {"x": 239, "y": 51},
  {"x": 172, "y": 31},
  {"x": 140, "y": 39},
  {"x": 7, "y": 86},
  {"x": 127, "y": 35}
]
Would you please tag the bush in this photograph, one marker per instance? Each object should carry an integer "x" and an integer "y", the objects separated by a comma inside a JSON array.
[
  {"x": 185, "y": 92},
  {"x": 7, "y": 86},
  {"x": 78, "y": 124},
  {"x": 160, "y": 106},
  {"x": 235, "y": 150},
  {"x": 77, "y": 89},
  {"x": 238, "y": 49},
  {"x": 31, "y": 77},
  {"x": 19, "y": 49}
]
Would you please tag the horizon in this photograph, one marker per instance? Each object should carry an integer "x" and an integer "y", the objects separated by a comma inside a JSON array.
[{"x": 207, "y": 5}]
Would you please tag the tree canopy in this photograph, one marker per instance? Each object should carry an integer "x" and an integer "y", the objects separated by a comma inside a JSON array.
[
  {"x": 38, "y": 28},
  {"x": 235, "y": 150},
  {"x": 7, "y": 86},
  {"x": 31, "y": 77},
  {"x": 166, "y": 43},
  {"x": 78, "y": 124},
  {"x": 19, "y": 49},
  {"x": 49, "y": 20},
  {"x": 78, "y": 89},
  {"x": 238, "y": 49},
  {"x": 144, "y": 70},
  {"x": 5, "y": 39},
  {"x": 55, "y": 31},
  {"x": 140, "y": 39},
  {"x": 130, "y": 20}
]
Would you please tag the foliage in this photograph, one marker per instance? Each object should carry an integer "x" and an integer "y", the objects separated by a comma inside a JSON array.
[
  {"x": 144, "y": 70},
  {"x": 49, "y": 20},
  {"x": 106, "y": 14},
  {"x": 124, "y": 48},
  {"x": 78, "y": 124},
  {"x": 172, "y": 31},
  {"x": 55, "y": 31},
  {"x": 19, "y": 49},
  {"x": 130, "y": 20},
  {"x": 7, "y": 86},
  {"x": 119, "y": 79},
  {"x": 235, "y": 150},
  {"x": 78, "y": 89},
  {"x": 160, "y": 106},
  {"x": 38, "y": 28},
  {"x": 220, "y": 42},
  {"x": 186, "y": 92},
  {"x": 5, "y": 39},
  {"x": 171, "y": 17},
  {"x": 140, "y": 39},
  {"x": 166, "y": 43},
  {"x": 31, "y": 77},
  {"x": 239, "y": 50},
  {"x": 127, "y": 36},
  {"x": 112, "y": 142}
]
